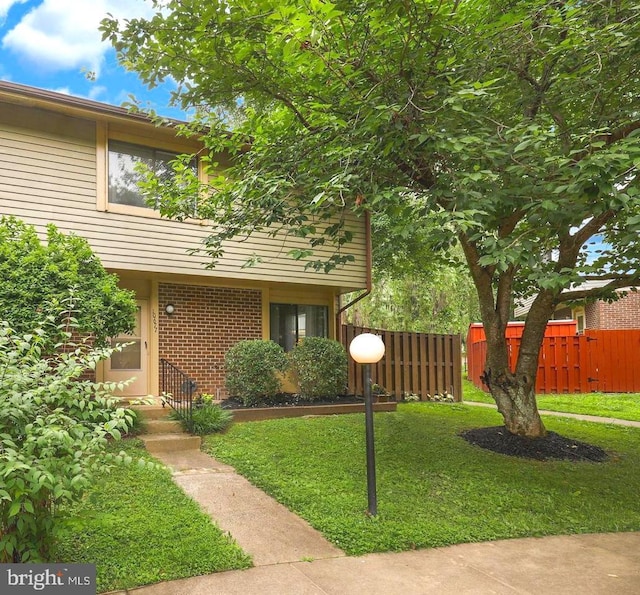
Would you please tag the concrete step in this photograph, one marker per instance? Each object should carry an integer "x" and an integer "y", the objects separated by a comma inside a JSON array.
[
  {"x": 162, "y": 426},
  {"x": 170, "y": 442},
  {"x": 149, "y": 412}
]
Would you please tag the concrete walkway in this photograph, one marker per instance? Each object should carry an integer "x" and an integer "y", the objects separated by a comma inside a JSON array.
[
  {"x": 580, "y": 416},
  {"x": 292, "y": 558}
]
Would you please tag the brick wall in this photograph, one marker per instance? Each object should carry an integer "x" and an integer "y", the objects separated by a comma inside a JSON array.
[
  {"x": 623, "y": 314},
  {"x": 207, "y": 321},
  {"x": 592, "y": 315}
]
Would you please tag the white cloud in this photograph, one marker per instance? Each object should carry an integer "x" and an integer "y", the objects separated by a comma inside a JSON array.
[
  {"x": 63, "y": 34},
  {"x": 5, "y": 6}
]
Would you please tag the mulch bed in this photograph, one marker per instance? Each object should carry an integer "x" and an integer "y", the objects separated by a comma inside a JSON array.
[
  {"x": 550, "y": 447},
  {"x": 288, "y": 400}
]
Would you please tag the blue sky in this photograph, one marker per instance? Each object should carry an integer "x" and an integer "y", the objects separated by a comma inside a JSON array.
[{"x": 52, "y": 44}]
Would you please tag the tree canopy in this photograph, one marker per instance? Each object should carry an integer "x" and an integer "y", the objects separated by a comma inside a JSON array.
[
  {"x": 511, "y": 127},
  {"x": 41, "y": 280}
]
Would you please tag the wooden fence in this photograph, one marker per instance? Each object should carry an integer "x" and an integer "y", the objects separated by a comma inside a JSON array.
[
  {"x": 599, "y": 360},
  {"x": 414, "y": 363}
]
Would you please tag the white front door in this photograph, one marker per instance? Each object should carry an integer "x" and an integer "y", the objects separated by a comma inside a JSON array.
[{"x": 133, "y": 360}]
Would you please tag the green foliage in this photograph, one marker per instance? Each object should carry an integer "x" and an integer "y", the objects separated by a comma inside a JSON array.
[
  {"x": 206, "y": 418},
  {"x": 252, "y": 370},
  {"x": 431, "y": 482},
  {"x": 37, "y": 279},
  {"x": 319, "y": 367},
  {"x": 53, "y": 433},
  {"x": 509, "y": 128},
  {"x": 167, "y": 535},
  {"x": 441, "y": 299}
]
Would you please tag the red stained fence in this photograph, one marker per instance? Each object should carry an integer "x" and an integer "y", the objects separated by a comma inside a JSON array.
[
  {"x": 599, "y": 360},
  {"x": 417, "y": 363}
]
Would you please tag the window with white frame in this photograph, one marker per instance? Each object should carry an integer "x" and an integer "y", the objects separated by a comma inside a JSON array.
[
  {"x": 123, "y": 175},
  {"x": 292, "y": 322}
]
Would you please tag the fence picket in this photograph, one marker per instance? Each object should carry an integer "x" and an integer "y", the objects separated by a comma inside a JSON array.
[{"x": 416, "y": 363}]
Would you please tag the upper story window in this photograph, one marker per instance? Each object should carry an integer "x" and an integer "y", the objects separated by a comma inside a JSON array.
[
  {"x": 292, "y": 322},
  {"x": 123, "y": 176}
]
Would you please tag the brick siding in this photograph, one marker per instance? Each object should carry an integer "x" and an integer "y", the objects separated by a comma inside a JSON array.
[
  {"x": 592, "y": 315},
  {"x": 207, "y": 321},
  {"x": 623, "y": 314}
]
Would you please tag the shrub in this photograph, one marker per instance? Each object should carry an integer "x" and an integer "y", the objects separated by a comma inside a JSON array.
[
  {"x": 252, "y": 368},
  {"x": 38, "y": 278},
  {"x": 53, "y": 434},
  {"x": 209, "y": 418},
  {"x": 319, "y": 367}
]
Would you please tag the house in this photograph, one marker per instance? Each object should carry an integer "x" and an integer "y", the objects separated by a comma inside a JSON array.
[
  {"x": 622, "y": 314},
  {"x": 69, "y": 161}
]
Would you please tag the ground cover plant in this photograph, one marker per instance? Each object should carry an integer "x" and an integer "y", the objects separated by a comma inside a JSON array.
[
  {"x": 434, "y": 488},
  {"x": 138, "y": 527},
  {"x": 619, "y": 406}
]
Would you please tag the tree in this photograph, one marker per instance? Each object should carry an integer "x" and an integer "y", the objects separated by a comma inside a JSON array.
[
  {"x": 509, "y": 127},
  {"x": 38, "y": 279},
  {"x": 440, "y": 301}
]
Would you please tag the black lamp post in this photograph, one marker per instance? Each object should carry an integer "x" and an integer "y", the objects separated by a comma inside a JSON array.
[{"x": 368, "y": 349}]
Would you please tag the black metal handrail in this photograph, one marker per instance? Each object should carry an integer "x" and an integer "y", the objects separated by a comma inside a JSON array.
[{"x": 177, "y": 391}]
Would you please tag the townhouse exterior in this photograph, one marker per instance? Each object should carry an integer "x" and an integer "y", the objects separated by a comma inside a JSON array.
[
  {"x": 623, "y": 314},
  {"x": 70, "y": 161}
]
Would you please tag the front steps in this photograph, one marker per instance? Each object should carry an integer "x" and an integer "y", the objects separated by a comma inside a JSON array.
[{"x": 162, "y": 434}]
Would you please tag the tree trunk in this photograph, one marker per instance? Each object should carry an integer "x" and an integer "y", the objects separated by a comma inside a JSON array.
[{"x": 516, "y": 400}]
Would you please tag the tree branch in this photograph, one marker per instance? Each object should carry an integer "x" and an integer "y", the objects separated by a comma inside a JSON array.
[{"x": 608, "y": 139}]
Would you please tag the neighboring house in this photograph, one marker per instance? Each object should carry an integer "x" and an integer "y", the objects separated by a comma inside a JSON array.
[
  {"x": 622, "y": 314},
  {"x": 69, "y": 161}
]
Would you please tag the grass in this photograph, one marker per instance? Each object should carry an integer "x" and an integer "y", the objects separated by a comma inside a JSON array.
[
  {"x": 138, "y": 527},
  {"x": 434, "y": 488},
  {"x": 620, "y": 406}
]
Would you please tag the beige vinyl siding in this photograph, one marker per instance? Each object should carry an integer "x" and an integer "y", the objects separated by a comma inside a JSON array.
[{"x": 48, "y": 173}]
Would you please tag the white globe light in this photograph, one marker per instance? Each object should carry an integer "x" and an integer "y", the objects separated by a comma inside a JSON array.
[{"x": 367, "y": 348}]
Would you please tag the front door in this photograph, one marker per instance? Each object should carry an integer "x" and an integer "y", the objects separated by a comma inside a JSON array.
[{"x": 133, "y": 360}]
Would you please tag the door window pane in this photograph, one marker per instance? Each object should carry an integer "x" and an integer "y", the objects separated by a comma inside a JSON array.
[{"x": 130, "y": 358}]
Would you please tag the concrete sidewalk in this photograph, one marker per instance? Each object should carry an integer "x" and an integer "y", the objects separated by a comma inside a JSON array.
[
  {"x": 292, "y": 558},
  {"x": 564, "y": 565},
  {"x": 582, "y": 417}
]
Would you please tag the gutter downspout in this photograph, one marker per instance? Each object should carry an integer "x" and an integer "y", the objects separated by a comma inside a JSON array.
[{"x": 369, "y": 265}]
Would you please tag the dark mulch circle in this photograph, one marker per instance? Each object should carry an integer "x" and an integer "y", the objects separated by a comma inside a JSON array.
[{"x": 551, "y": 447}]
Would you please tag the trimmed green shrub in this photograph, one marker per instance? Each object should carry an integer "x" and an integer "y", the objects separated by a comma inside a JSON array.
[
  {"x": 53, "y": 435},
  {"x": 319, "y": 367},
  {"x": 252, "y": 368}
]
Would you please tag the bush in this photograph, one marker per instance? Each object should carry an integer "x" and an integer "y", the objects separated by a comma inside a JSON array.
[
  {"x": 53, "y": 434},
  {"x": 319, "y": 367},
  {"x": 39, "y": 277},
  {"x": 252, "y": 369},
  {"x": 209, "y": 418}
]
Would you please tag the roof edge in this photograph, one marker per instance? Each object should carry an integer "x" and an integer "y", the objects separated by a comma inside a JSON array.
[{"x": 36, "y": 95}]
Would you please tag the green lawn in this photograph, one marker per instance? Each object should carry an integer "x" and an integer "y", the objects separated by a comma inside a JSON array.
[
  {"x": 620, "y": 406},
  {"x": 138, "y": 527},
  {"x": 434, "y": 488}
]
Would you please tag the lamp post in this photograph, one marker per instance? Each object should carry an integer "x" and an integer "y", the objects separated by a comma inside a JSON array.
[{"x": 368, "y": 349}]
